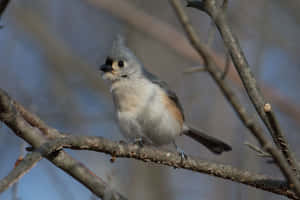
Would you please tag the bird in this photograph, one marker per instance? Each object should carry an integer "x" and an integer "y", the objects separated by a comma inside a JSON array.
[{"x": 148, "y": 112}]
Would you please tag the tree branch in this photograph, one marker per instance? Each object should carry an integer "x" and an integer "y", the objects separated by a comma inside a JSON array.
[
  {"x": 280, "y": 139},
  {"x": 12, "y": 118},
  {"x": 241, "y": 64},
  {"x": 254, "y": 127},
  {"x": 20, "y": 170},
  {"x": 159, "y": 156}
]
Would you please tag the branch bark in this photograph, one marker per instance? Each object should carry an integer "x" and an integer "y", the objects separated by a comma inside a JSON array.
[
  {"x": 159, "y": 156},
  {"x": 20, "y": 170},
  {"x": 241, "y": 64},
  {"x": 13, "y": 119},
  {"x": 12, "y": 114},
  {"x": 211, "y": 66}
]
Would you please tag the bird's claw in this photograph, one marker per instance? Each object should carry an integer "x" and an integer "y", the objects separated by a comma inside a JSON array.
[
  {"x": 182, "y": 155},
  {"x": 180, "y": 152}
]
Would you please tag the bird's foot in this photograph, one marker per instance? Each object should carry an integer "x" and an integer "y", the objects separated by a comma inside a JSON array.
[
  {"x": 180, "y": 152},
  {"x": 182, "y": 155}
]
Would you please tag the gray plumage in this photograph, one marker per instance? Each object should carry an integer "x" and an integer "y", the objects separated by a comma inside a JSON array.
[
  {"x": 163, "y": 85},
  {"x": 146, "y": 108}
]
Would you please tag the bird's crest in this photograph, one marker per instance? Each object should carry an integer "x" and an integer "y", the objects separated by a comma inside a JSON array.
[{"x": 119, "y": 48}]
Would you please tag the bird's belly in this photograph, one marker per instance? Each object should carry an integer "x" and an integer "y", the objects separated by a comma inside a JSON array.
[
  {"x": 129, "y": 103},
  {"x": 144, "y": 112},
  {"x": 158, "y": 123},
  {"x": 154, "y": 123},
  {"x": 129, "y": 126}
]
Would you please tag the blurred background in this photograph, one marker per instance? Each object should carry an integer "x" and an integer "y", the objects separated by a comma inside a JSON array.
[{"x": 50, "y": 52}]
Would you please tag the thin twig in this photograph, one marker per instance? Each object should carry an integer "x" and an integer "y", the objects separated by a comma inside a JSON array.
[
  {"x": 20, "y": 170},
  {"x": 258, "y": 150},
  {"x": 16, "y": 184},
  {"x": 255, "y": 128}
]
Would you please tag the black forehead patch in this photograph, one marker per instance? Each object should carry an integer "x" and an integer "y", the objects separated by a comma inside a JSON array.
[{"x": 109, "y": 61}]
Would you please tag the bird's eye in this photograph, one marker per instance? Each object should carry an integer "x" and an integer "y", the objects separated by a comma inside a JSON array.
[{"x": 121, "y": 63}]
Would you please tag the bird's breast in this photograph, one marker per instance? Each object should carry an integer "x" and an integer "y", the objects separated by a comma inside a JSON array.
[
  {"x": 146, "y": 108},
  {"x": 131, "y": 97}
]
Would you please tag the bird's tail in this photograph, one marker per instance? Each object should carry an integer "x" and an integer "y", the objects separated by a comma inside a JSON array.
[{"x": 214, "y": 145}]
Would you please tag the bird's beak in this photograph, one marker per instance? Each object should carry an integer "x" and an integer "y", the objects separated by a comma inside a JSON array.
[{"x": 106, "y": 68}]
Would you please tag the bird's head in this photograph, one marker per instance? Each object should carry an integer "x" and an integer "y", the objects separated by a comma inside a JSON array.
[{"x": 121, "y": 63}]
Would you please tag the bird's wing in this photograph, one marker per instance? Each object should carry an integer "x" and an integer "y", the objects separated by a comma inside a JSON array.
[{"x": 162, "y": 84}]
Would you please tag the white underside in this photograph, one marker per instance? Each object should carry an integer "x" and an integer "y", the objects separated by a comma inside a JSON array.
[{"x": 149, "y": 117}]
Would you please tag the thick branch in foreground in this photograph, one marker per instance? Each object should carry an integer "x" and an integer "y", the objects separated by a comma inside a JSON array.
[
  {"x": 239, "y": 109},
  {"x": 159, "y": 156},
  {"x": 241, "y": 64},
  {"x": 12, "y": 118}
]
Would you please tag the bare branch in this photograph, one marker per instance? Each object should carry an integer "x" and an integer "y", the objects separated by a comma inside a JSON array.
[
  {"x": 258, "y": 150},
  {"x": 241, "y": 64},
  {"x": 243, "y": 68},
  {"x": 255, "y": 128},
  {"x": 11, "y": 117},
  {"x": 16, "y": 184},
  {"x": 279, "y": 136},
  {"x": 173, "y": 159},
  {"x": 20, "y": 170}
]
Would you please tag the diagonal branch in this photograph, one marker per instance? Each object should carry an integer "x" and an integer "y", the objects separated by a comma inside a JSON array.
[
  {"x": 241, "y": 64},
  {"x": 254, "y": 127},
  {"x": 12, "y": 118},
  {"x": 20, "y": 170}
]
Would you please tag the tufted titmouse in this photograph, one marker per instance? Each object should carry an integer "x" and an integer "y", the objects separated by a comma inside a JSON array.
[{"x": 147, "y": 110}]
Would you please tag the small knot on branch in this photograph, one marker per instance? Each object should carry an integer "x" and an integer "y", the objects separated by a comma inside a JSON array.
[{"x": 20, "y": 158}]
